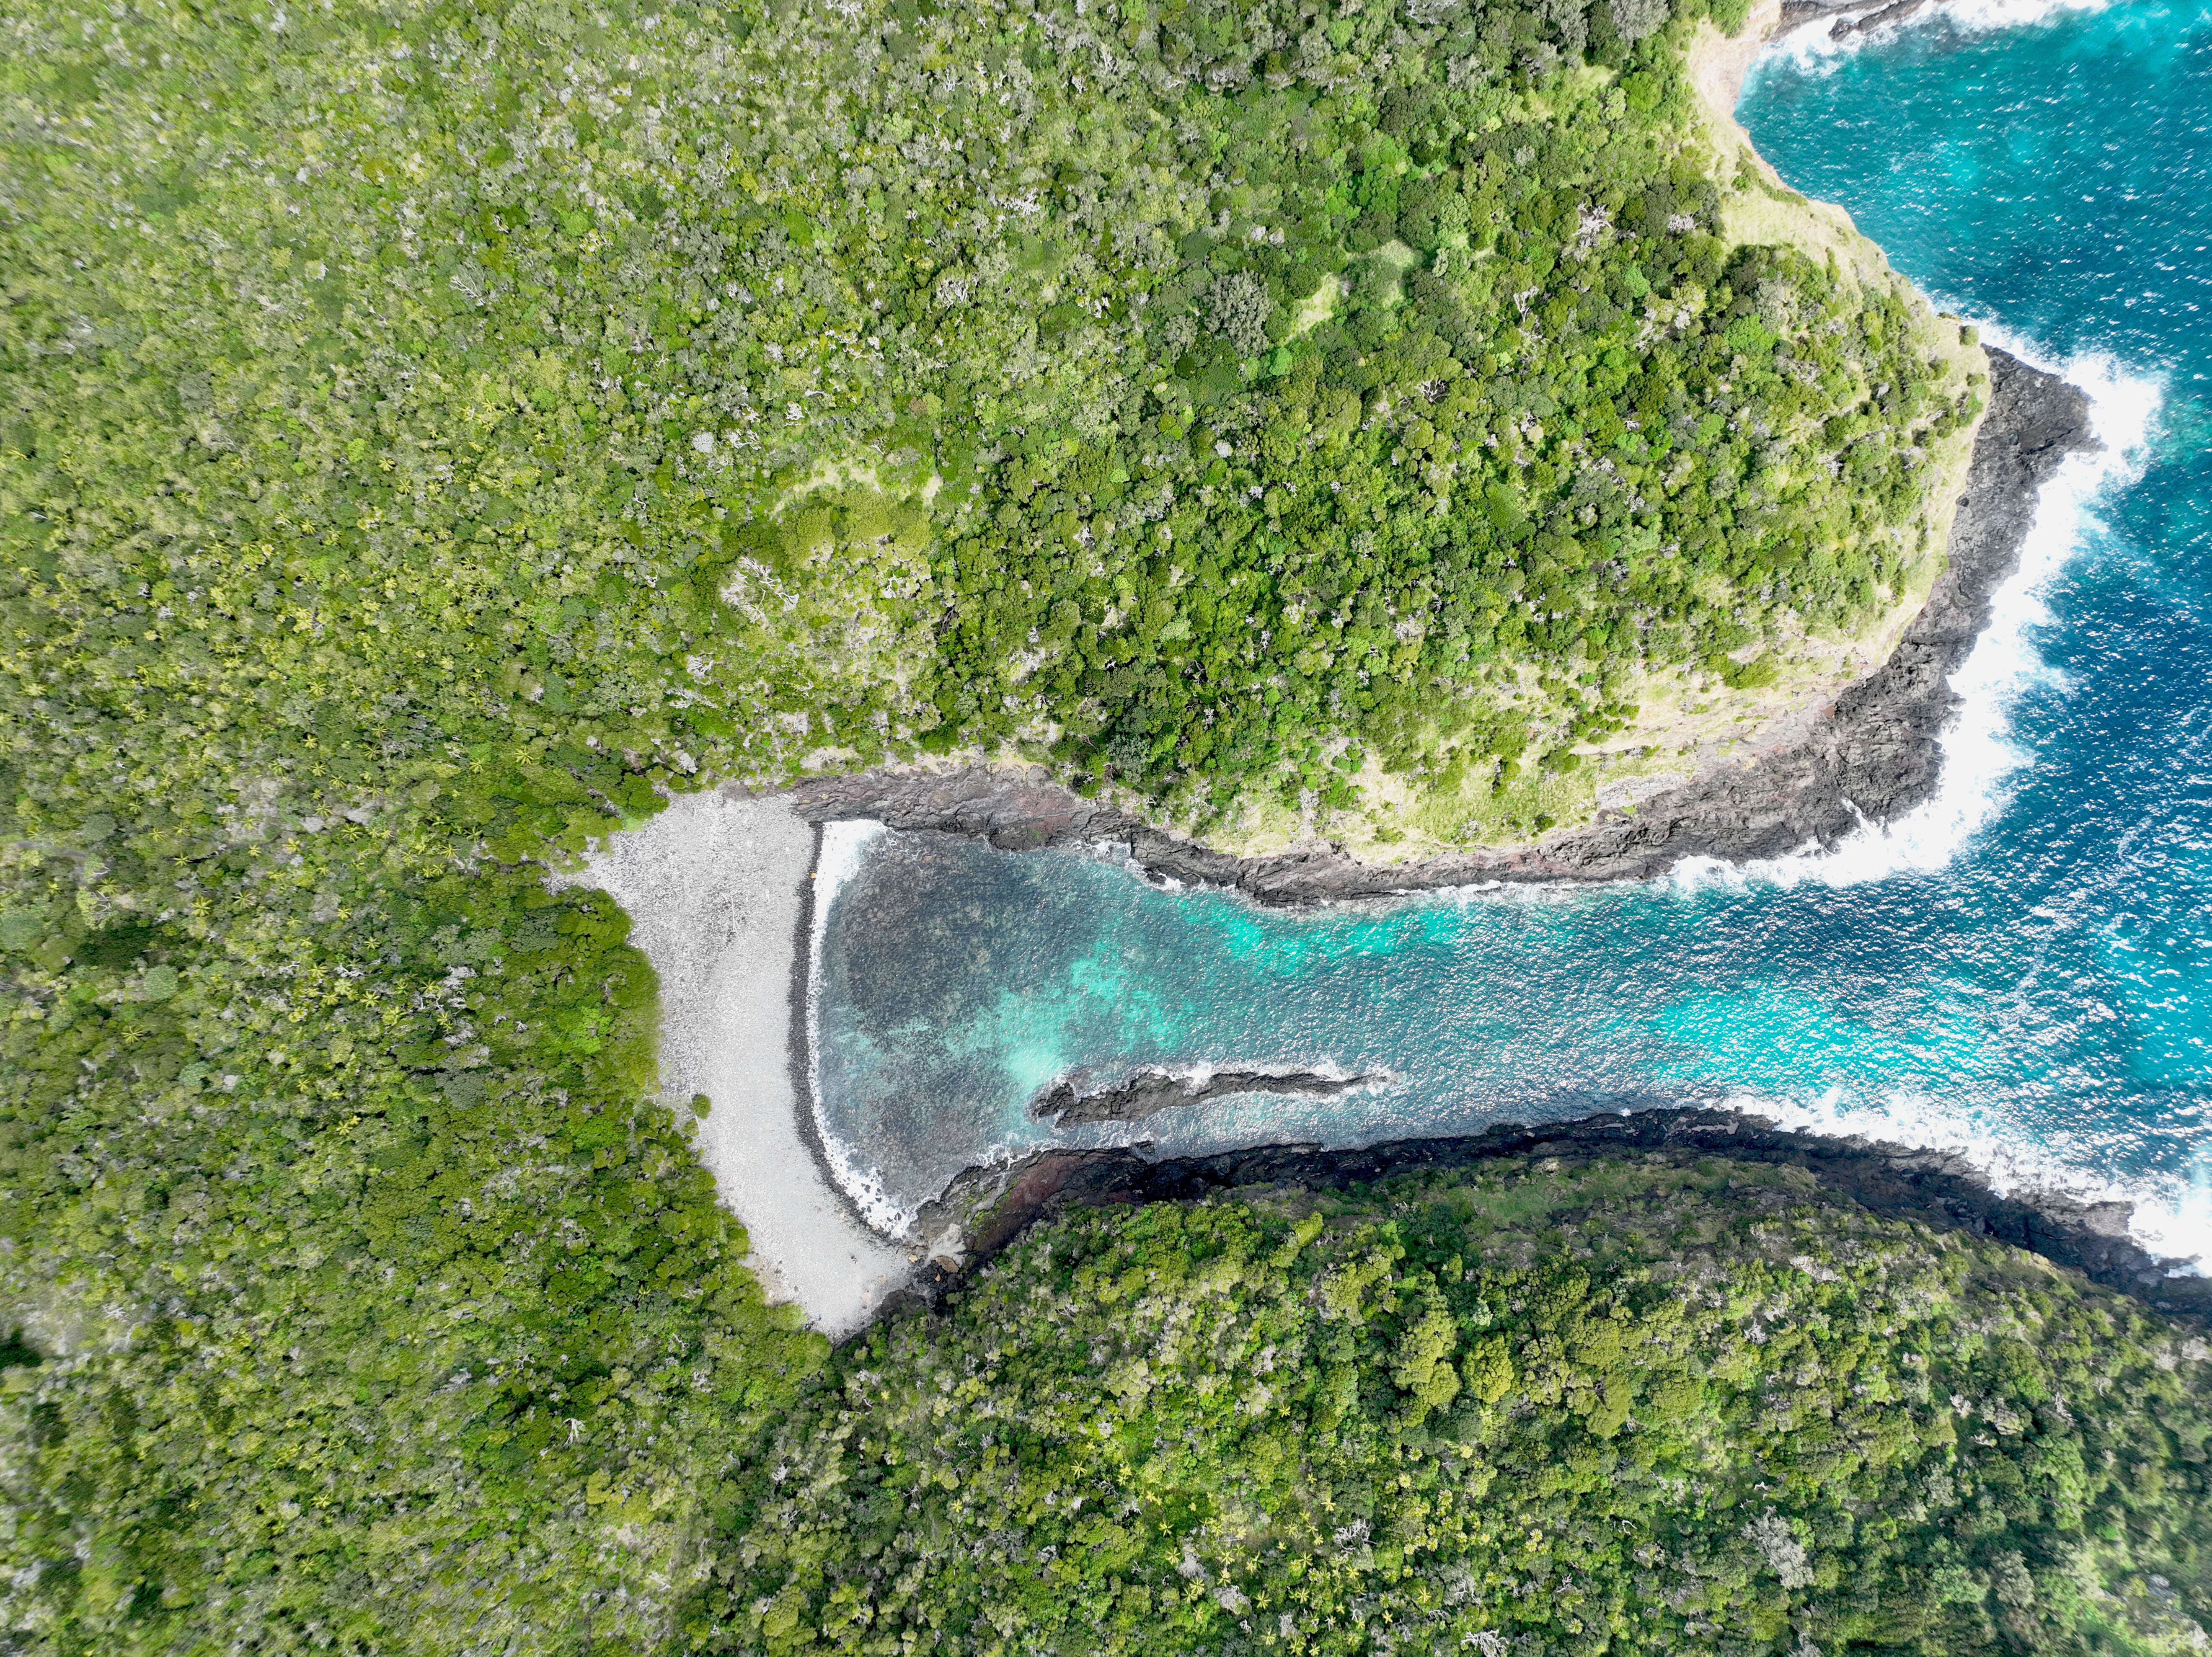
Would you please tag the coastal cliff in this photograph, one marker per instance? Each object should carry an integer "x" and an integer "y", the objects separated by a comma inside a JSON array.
[
  {"x": 1868, "y": 757},
  {"x": 988, "y": 1207}
]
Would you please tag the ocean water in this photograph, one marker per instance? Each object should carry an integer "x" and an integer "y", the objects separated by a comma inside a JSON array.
[{"x": 2018, "y": 969}]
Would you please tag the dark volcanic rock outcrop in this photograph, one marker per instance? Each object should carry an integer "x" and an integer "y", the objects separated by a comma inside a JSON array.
[
  {"x": 1937, "y": 1188},
  {"x": 1147, "y": 1092},
  {"x": 1872, "y": 754}
]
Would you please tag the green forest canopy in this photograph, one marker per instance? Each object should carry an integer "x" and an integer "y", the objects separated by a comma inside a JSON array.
[
  {"x": 429, "y": 433},
  {"x": 1657, "y": 1404}
]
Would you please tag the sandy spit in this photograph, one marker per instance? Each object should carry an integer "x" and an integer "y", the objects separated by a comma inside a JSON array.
[{"x": 715, "y": 890}]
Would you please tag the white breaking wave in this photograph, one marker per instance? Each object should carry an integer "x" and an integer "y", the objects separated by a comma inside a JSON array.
[
  {"x": 2172, "y": 1215},
  {"x": 1979, "y": 752},
  {"x": 844, "y": 846},
  {"x": 1988, "y": 16},
  {"x": 1809, "y": 49}
]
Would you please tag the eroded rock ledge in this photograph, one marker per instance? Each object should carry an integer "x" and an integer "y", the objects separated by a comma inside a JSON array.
[
  {"x": 989, "y": 1208},
  {"x": 1842, "y": 17},
  {"x": 1872, "y": 753},
  {"x": 1147, "y": 1092}
]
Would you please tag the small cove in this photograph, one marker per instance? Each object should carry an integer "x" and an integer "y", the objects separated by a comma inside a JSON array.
[{"x": 2017, "y": 969}]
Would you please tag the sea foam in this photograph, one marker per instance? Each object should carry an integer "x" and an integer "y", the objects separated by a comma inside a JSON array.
[
  {"x": 1809, "y": 49},
  {"x": 2171, "y": 1215}
]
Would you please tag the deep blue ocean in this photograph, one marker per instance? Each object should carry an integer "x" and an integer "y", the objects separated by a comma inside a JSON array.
[{"x": 2020, "y": 969}]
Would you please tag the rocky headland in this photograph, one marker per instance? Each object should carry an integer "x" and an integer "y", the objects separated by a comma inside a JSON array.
[{"x": 1869, "y": 755}]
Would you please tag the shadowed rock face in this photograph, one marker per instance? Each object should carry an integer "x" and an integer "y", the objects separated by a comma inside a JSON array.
[
  {"x": 1147, "y": 1092},
  {"x": 1871, "y": 754},
  {"x": 1942, "y": 1190}
]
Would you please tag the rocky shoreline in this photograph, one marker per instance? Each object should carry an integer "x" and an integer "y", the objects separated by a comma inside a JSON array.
[
  {"x": 989, "y": 1208},
  {"x": 1845, "y": 17},
  {"x": 1871, "y": 755}
]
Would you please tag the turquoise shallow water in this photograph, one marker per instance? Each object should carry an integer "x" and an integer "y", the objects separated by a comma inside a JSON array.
[{"x": 2020, "y": 969}]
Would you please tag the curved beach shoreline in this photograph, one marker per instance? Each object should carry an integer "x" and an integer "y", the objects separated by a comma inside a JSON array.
[
  {"x": 722, "y": 886},
  {"x": 718, "y": 887}
]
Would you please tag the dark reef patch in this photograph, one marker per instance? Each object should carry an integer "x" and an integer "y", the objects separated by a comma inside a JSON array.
[{"x": 1148, "y": 1091}]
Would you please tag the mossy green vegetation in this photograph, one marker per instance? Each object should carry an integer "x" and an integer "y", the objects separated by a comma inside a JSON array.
[
  {"x": 1632, "y": 1406},
  {"x": 1553, "y": 433},
  {"x": 375, "y": 1305}
]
